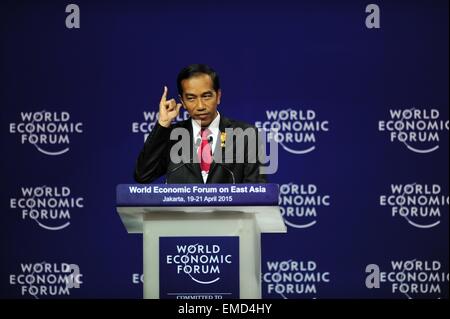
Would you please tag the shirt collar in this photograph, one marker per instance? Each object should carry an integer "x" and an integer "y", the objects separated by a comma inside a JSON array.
[{"x": 213, "y": 127}]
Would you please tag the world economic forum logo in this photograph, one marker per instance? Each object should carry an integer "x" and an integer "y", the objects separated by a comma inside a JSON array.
[
  {"x": 48, "y": 132},
  {"x": 300, "y": 204},
  {"x": 295, "y": 130},
  {"x": 420, "y": 130},
  {"x": 294, "y": 279},
  {"x": 201, "y": 263},
  {"x": 421, "y": 205},
  {"x": 44, "y": 280},
  {"x": 149, "y": 120},
  {"x": 199, "y": 267},
  {"x": 51, "y": 207},
  {"x": 410, "y": 278}
]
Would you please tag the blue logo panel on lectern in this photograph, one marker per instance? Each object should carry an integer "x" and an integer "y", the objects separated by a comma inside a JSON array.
[{"x": 199, "y": 267}]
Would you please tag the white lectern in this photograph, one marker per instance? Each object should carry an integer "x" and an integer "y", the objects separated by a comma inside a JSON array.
[{"x": 190, "y": 215}]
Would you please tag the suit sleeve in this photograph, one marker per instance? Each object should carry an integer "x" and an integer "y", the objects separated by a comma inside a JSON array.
[{"x": 152, "y": 161}]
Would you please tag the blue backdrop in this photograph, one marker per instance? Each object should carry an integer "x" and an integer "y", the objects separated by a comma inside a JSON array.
[{"x": 365, "y": 198}]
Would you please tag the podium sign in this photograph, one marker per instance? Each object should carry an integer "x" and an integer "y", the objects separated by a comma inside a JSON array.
[
  {"x": 197, "y": 195},
  {"x": 199, "y": 267}
]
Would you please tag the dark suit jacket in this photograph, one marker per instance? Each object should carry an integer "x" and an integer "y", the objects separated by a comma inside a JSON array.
[{"x": 154, "y": 160}]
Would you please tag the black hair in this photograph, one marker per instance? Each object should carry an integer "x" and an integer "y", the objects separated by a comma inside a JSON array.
[{"x": 195, "y": 70}]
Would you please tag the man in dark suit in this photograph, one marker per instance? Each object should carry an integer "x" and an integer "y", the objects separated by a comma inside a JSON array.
[{"x": 211, "y": 153}]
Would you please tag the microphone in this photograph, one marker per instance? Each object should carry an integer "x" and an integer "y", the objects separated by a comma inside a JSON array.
[
  {"x": 229, "y": 170},
  {"x": 197, "y": 143},
  {"x": 210, "y": 139},
  {"x": 196, "y": 146},
  {"x": 176, "y": 168}
]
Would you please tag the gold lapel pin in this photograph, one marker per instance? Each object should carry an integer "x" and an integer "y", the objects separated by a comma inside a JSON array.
[{"x": 223, "y": 137}]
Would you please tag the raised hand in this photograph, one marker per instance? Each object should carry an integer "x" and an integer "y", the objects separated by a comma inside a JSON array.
[{"x": 168, "y": 109}]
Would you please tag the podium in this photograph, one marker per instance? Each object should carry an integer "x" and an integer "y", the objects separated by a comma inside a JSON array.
[{"x": 201, "y": 235}]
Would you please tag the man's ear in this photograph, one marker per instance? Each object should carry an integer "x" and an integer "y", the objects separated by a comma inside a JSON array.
[
  {"x": 181, "y": 101},
  {"x": 219, "y": 96}
]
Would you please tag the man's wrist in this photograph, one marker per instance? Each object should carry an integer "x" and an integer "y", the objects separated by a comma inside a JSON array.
[{"x": 165, "y": 124}]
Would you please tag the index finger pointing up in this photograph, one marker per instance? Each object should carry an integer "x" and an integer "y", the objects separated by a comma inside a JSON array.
[{"x": 164, "y": 95}]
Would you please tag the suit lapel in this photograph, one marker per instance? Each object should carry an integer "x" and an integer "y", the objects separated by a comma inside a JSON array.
[
  {"x": 193, "y": 166},
  {"x": 223, "y": 124}
]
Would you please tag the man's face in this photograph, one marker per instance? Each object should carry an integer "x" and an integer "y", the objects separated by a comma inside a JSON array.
[{"x": 200, "y": 99}]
